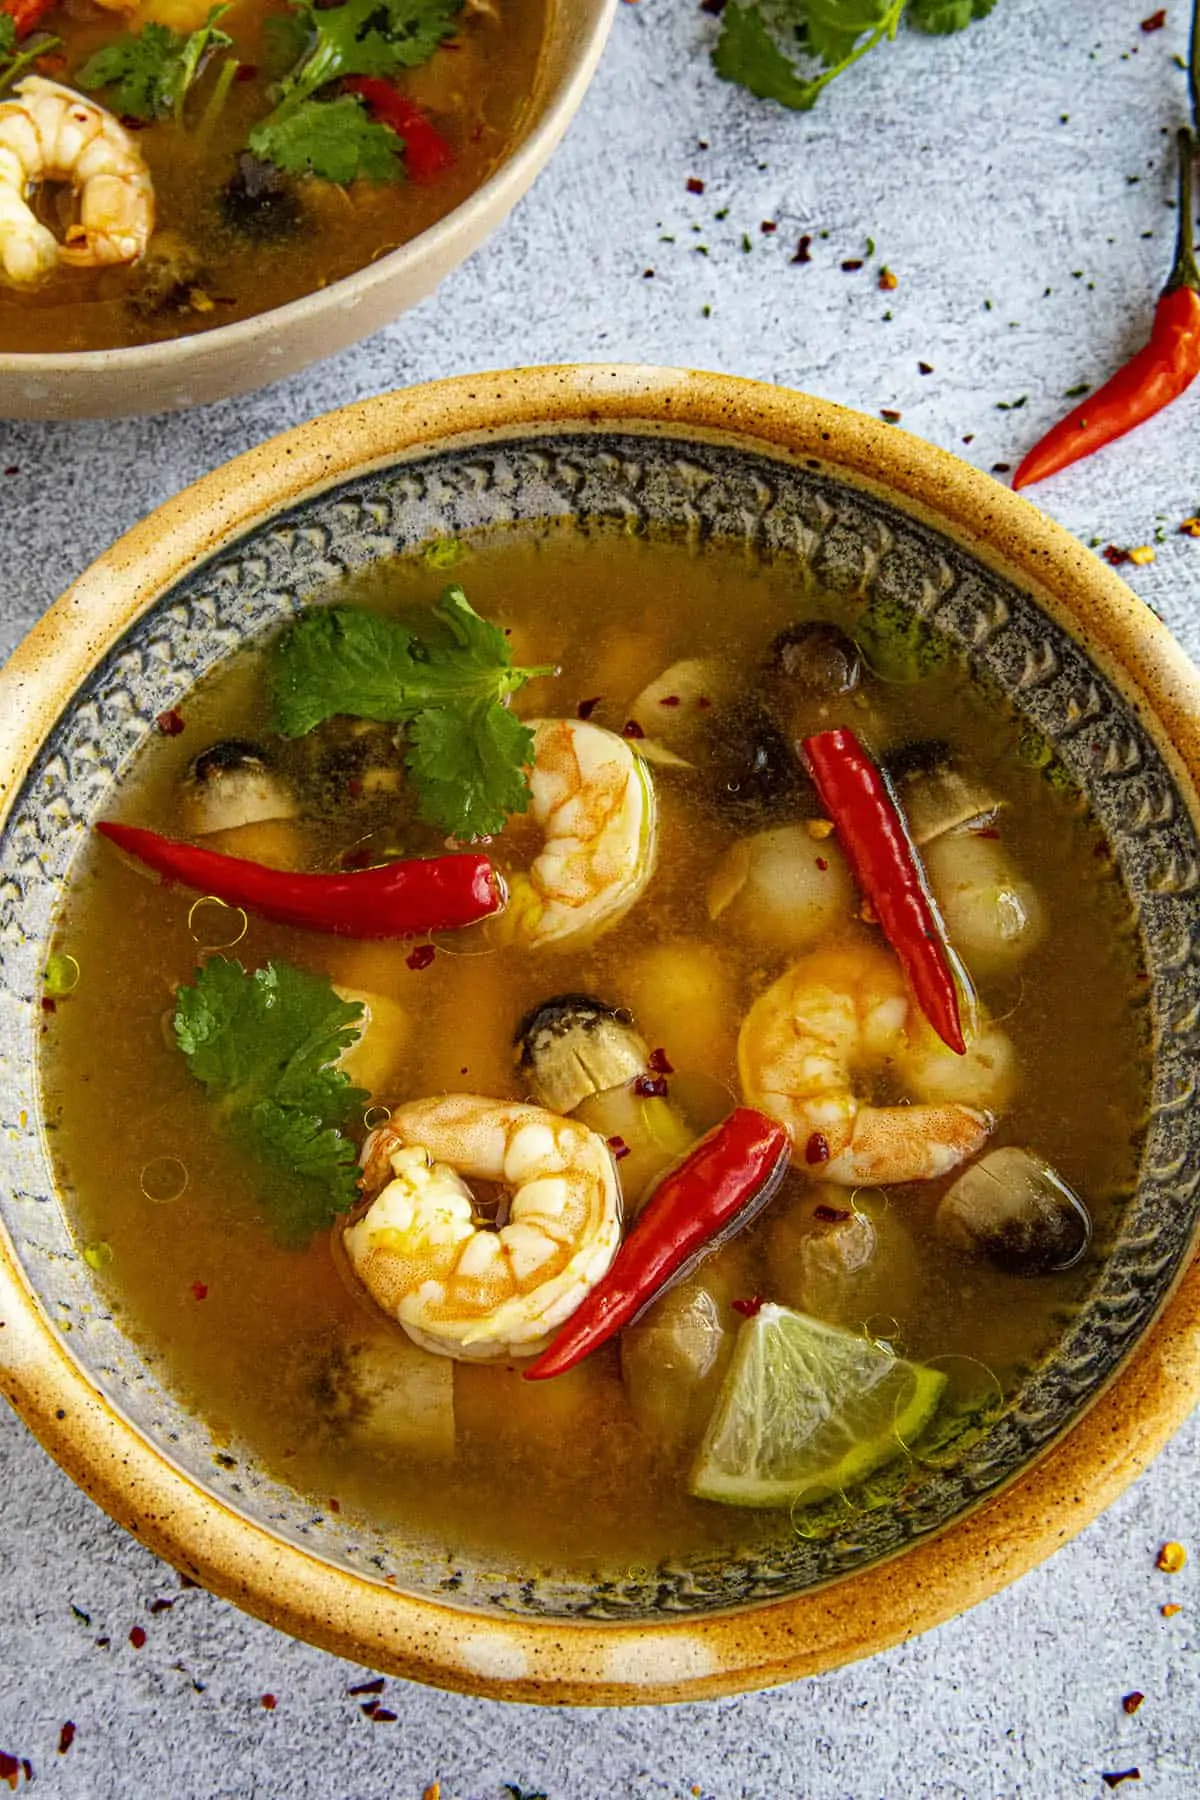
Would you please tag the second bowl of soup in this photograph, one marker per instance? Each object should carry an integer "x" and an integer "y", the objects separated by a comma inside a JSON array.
[{"x": 599, "y": 979}]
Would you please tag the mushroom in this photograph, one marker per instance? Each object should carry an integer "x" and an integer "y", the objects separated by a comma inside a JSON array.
[
  {"x": 937, "y": 793},
  {"x": 389, "y": 1396},
  {"x": 782, "y": 888},
  {"x": 844, "y": 1263},
  {"x": 582, "y": 1057},
  {"x": 233, "y": 793},
  {"x": 231, "y": 784},
  {"x": 675, "y": 1354},
  {"x": 1013, "y": 1208}
]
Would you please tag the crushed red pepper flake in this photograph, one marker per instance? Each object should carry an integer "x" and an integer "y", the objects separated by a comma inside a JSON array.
[
  {"x": 660, "y": 1062},
  {"x": 1001, "y": 468},
  {"x": 268, "y": 1703},
  {"x": 768, "y": 226},
  {"x": 137, "y": 1636},
  {"x": 1156, "y": 21},
  {"x": 12, "y": 469},
  {"x": 889, "y": 415},
  {"x": 161, "y": 1605},
  {"x": 669, "y": 700},
  {"x": 199, "y": 1290},
  {"x": 803, "y": 249},
  {"x": 13, "y": 1767},
  {"x": 831, "y": 1215},
  {"x": 695, "y": 185},
  {"x": 381, "y": 1716},
  {"x": 49, "y": 1005},
  {"x": 421, "y": 957},
  {"x": 169, "y": 723},
  {"x": 817, "y": 1148},
  {"x": 851, "y": 265},
  {"x": 749, "y": 1309},
  {"x": 1113, "y": 553},
  {"x": 631, "y": 729},
  {"x": 1170, "y": 1609},
  {"x": 651, "y": 1087},
  {"x": 1131, "y": 1702},
  {"x": 618, "y": 1146},
  {"x": 586, "y": 708},
  {"x": 66, "y": 1736},
  {"x": 822, "y": 864},
  {"x": 924, "y": 368},
  {"x": 335, "y": 1505},
  {"x": 376, "y": 1685},
  {"x": 889, "y": 281},
  {"x": 1116, "y": 1776},
  {"x": 1191, "y": 527},
  {"x": 369, "y": 1708}
]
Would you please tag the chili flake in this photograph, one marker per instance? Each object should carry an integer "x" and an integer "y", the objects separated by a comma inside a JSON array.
[
  {"x": 831, "y": 1215},
  {"x": 852, "y": 265},
  {"x": 66, "y": 1737},
  {"x": 268, "y": 1703},
  {"x": 381, "y": 1716},
  {"x": 1119, "y": 1775},
  {"x": 618, "y": 1146},
  {"x": 1115, "y": 555},
  {"x": 749, "y": 1309},
  {"x": 651, "y": 1087},
  {"x": 695, "y": 185},
  {"x": 1191, "y": 527},
  {"x": 586, "y": 708},
  {"x": 822, "y": 864},
  {"x": 1131, "y": 1702},
  {"x": 1171, "y": 1558},
  {"x": 1170, "y": 1609},
  {"x": 660, "y": 1062},
  {"x": 169, "y": 723},
  {"x": 817, "y": 1148},
  {"x": 12, "y": 1768},
  {"x": 631, "y": 729},
  {"x": 199, "y": 1290},
  {"x": 137, "y": 1636},
  {"x": 375, "y": 1686},
  {"x": 803, "y": 250},
  {"x": 889, "y": 415},
  {"x": 1156, "y": 21},
  {"x": 421, "y": 957},
  {"x": 669, "y": 700},
  {"x": 768, "y": 226},
  {"x": 924, "y": 368}
]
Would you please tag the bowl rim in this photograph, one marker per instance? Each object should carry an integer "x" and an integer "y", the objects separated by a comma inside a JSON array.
[
  {"x": 514, "y": 172},
  {"x": 557, "y": 1661}
]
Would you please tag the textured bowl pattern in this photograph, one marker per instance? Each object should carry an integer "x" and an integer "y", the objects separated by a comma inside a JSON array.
[{"x": 852, "y": 542}]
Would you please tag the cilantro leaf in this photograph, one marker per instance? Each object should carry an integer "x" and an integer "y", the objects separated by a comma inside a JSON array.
[
  {"x": 447, "y": 685},
  {"x": 335, "y": 140},
  {"x": 151, "y": 71},
  {"x": 369, "y": 37},
  {"x": 941, "y": 17},
  {"x": 746, "y": 53},
  {"x": 833, "y": 27},
  {"x": 263, "y": 1043},
  {"x": 15, "y": 59}
]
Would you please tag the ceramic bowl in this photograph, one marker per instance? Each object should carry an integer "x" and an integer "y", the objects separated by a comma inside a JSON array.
[
  {"x": 869, "y": 509},
  {"x": 233, "y": 359}
]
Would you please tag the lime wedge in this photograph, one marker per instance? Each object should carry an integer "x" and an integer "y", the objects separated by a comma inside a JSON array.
[{"x": 807, "y": 1409}]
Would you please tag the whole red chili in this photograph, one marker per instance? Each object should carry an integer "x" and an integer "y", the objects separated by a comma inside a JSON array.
[
  {"x": 426, "y": 152},
  {"x": 397, "y": 899},
  {"x": 881, "y": 854},
  {"x": 723, "y": 1181},
  {"x": 1162, "y": 370}
]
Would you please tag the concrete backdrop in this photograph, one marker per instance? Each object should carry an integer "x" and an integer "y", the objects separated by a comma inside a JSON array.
[{"x": 1017, "y": 179}]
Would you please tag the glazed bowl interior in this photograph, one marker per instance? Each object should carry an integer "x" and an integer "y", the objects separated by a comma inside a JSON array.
[
  {"x": 700, "y": 459},
  {"x": 234, "y": 359}
]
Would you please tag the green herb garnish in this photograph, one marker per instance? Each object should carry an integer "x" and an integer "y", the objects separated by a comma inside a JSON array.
[
  {"x": 466, "y": 753},
  {"x": 337, "y": 139},
  {"x": 14, "y": 61},
  {"x": 758, "y": 43},
  {"x": 152, "y": 71},
  {"x": 263, "y": 1043}
]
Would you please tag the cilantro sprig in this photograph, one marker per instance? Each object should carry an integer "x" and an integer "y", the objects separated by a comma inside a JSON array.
[
  {"x": 263, "y": 1043},
  {"x": 833, "y": 34},
  {"x": 14, "y": 59},
  {"x": 152, "y": 71},
  {"x": 446, "y": 685},
  {"x": 337, "y": 139}
]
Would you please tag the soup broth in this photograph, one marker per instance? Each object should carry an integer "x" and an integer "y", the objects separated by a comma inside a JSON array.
[
  {"x": 280, "y": 1349},
  {"x": 236, "y": 234}
]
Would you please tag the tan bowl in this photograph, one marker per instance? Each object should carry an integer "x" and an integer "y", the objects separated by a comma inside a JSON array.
[
  {"x": 234, "y": 359},
  {"x": 563, "y": 423}
]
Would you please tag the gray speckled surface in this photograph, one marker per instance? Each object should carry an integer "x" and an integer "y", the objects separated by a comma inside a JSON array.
[{"x": 954, "y": 157}]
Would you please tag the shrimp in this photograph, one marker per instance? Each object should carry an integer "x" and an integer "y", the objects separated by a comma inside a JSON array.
[
  {"x": 461, "y": 1288},
  {"x": 51, "y": 133},
  {"x": 835, "y": 1014},
  {"x": 593, "y": 797}
]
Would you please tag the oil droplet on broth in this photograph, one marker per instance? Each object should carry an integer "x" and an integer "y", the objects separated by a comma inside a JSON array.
[
  {"x": 214, "y": 925},
  {"x": 163, "y": 1179}
]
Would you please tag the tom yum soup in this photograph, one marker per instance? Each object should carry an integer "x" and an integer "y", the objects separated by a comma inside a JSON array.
[
  {"x": 590, "y": 1083},
  {"x": 171, "y": 165}
]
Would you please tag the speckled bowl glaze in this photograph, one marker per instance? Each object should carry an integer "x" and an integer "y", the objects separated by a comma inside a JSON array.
[
  {"x": 234, "y": 359},
  {"x": 868, "y": 509}
]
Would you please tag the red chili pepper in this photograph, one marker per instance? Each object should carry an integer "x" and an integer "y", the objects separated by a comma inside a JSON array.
[
  {"x": 1158, "y": 374},
  {"x": 398, "y": 899},
  {"x": 885, "y": 865},
  {"x": 426, "y": 152},
  {"x": 720, "y": 1185},
  {"x": 26, "y": 14}
]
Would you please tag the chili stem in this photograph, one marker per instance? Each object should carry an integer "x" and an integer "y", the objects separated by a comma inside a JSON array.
[
  {"x": 1194, "y": 66},
  {"x": 1185, "y": 271}
]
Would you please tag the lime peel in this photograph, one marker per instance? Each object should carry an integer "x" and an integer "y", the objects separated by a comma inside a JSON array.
[{"x": 807, "y": 1409}]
